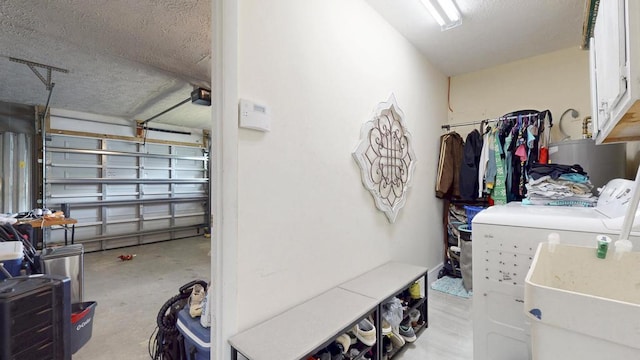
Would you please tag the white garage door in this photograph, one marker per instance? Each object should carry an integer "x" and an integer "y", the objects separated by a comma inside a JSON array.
[{"x": 126, "y": 193}]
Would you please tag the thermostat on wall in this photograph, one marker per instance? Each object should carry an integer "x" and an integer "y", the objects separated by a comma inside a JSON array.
[{"x": 254, "y": 116}]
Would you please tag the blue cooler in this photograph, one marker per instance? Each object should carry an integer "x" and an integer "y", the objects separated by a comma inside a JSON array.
[
  {"x": 11, "y": 257},
  {"x": 197, "y": 343}
]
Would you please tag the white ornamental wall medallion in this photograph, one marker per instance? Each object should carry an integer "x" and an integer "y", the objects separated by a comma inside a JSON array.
[{"x": 386, "y": 158}]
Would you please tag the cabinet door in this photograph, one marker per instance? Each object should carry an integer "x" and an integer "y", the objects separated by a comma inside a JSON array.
[{"x": 610, "y": 58}]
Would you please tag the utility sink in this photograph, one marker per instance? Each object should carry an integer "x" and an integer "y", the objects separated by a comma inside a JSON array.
[{"x": 583, "y": 307}]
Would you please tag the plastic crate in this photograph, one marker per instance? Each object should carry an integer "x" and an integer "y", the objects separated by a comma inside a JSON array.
[
  {"x": 472, "y": 211},
  {"x": 81, "y": 324}
]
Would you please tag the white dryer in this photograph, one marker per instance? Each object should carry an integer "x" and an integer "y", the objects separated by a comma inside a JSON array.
[{"x": 505, "y": 238}]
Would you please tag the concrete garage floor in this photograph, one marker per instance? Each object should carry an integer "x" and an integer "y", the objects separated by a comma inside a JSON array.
[{"x": 130, "y": 293}]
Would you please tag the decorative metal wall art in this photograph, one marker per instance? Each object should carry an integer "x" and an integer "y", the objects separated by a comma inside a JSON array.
[{"x": 386, "y": 158}]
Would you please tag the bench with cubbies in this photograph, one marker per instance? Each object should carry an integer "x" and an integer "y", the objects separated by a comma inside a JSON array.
[{"x": 321, "y": 319}]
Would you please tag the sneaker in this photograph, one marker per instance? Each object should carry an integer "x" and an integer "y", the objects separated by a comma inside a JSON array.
[
  {"x": 414, "y": 291},
  {"x": 396, "y": 340},
  {"x": 352, "y": 337},
  {"x": 344, "y": 341},
  {"x": 365, "y": 332},
  {"x": 196, "y": 300},
  {"x": 335, "y": 349},
  {"x": 386, "y": 327},
  {"x": 387, "y": 346},
  {"x": 414, "y": 316},
  {"x": 407, "y": 333}
]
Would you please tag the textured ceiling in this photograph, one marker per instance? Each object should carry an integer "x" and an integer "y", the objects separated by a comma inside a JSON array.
[
  {"x": 136, "y": 58},
  {"x": 492, "y": 32},
  {"x": 130, "y": 59}
]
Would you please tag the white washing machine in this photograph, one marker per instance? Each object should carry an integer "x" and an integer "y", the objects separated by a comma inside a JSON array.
[{"x": 505, "y": 238}]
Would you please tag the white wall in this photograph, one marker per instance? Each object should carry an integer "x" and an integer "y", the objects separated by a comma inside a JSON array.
[
  {"x": 305, "y": 222},
  {"x": 555, "y": 81}
]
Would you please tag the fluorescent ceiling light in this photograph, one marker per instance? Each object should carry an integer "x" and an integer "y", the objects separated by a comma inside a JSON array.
[{"x": 444, "y": 12}]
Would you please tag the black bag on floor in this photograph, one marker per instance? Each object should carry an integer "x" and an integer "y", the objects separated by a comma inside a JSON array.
[{"x": 451, "y": 268}]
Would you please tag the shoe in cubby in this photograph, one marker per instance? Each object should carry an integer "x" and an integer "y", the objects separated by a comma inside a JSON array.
[
  {"x": 365, "y": 332},
  {"x": 344, "y": 341},
  {"x": 406, "y": 331},
  {"x": 396, "y": 340},
  {"x": 414, "y": 316},
  {"x": 386, "y": 327},
  {"x": 387, "y": 345}
]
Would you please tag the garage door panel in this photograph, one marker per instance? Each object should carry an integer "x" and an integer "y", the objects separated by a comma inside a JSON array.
[
  {"x": 122, "y": 212},
  {"x": 187, "y": 221},
  {"x": 121, "y": 192},
  {"x": 60, "y": 172},
  {"x": 189, "y": 174},
  {"x": 189, "y": 188},
  {"x": 85, "y": 215},
  {"x": 71, "y": 142},
  {"x": 147, "y": 239},
  {"x": 187, "y": 151},
  {"x": 116, "y": 145},
  {"x": 76, "y": 159},
  {"x": 119, "y": 243},
  {"x": 158, "y": 224},
  {"x": 188, "y": 207},
  {"x": 157, "y": 209},
  {"x": 188, "y": 164},
  {"x": 76, "y": 189},
  {"x": 123, "y": 228},
  {"x": 118, "y": 173},
  {"x": 158, "y": 149},
  {"x": 115, "y": 196},
  {"x": 157, "y": 174},
  {"x": 116, "y": 161}
]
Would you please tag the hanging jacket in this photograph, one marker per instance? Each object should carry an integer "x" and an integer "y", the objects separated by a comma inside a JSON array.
[
  {"x": 484, "y": 163},
  {"x": 469, "y": 166},
  {"x": 447, "y": 181}
]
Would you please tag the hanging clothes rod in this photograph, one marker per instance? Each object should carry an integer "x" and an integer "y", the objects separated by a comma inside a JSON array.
[{"x": 486, "y": 121}]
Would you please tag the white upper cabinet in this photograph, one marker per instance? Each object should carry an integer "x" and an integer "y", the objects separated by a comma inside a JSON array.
[{"x": 615, "y": 70}]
